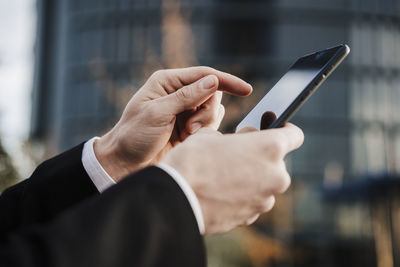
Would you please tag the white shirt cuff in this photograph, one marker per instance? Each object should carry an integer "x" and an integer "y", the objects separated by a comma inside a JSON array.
[
  {"x": 96, "y": 172},
  {"x": 103, "y": 181}
]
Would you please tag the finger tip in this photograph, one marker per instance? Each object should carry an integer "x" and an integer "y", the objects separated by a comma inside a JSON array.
[
  {"x": 235, "y": 86},
  {"x": 248, "y": 89}
]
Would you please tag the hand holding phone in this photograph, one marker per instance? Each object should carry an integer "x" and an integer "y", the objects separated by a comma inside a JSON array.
[{"x": 294, "y": 88}]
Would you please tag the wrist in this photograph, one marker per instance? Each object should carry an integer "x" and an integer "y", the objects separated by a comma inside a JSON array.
[{"x": 110, "y": 156}]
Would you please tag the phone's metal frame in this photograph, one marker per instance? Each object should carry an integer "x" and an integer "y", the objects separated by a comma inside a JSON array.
[{"x": 333, "y": 63}]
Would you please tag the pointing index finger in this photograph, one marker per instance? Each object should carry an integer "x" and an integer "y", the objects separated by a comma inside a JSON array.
[{"x": 227, "y": 82}]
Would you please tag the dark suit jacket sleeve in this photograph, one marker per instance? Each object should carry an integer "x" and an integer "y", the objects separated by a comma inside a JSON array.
[
  {"x": 57, "y": 218},
  {"x": 56, "y": 185},
  {"x": 145, "y": 220}
]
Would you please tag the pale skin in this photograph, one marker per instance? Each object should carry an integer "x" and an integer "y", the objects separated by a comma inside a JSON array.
[
  {"x": 235, "y": 176},
  {"x": 170, "y": 106},
  {"x": 173, "y": 118}
]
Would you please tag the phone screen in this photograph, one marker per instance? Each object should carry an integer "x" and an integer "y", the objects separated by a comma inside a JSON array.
[{"x": 293, "y": 84}]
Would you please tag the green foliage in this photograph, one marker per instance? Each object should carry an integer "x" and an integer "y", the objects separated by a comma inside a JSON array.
[{"x": 8, "y": 174}]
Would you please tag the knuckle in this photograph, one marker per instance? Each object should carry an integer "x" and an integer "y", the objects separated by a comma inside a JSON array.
[
  {"x": 267, "y": 204},
  {"x": 251, "y": 220},
  {"x": 206, "y": 69},
  {"x": 157, "y": 74},
  {"x": 300, "y": 135},
  {"x": 276, "y": 149},
  {"x": 248, "y": 222},
  {"x": 283, "y": 182},
  {"x": 183, "y": 94}
]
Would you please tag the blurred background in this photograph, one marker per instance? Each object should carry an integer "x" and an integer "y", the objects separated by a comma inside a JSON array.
[{"x": 68, "y": 67}]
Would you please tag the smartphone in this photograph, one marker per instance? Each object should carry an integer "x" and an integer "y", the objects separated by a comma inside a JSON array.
[{"x": 294, "y": 88}]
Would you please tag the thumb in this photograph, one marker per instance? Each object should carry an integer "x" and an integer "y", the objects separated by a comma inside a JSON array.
[
  {"x": 190, "y": 96},
  {"x": 208, "y": 131},
  {"x": 247, "y": 129}
]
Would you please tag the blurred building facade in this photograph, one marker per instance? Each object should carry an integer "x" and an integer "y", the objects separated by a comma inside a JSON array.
[{"x": 93, "y": 55}]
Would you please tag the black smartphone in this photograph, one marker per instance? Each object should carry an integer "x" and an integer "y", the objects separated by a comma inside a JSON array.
[{"x": 294, "y": 88}]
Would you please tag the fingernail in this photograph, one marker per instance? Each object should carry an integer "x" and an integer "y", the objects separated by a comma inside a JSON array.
[
  {"x": 196, "y": 126},
  {"x": 208, "y": 83}
]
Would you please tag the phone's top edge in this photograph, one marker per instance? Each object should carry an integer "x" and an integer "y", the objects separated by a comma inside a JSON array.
[
  {"x": 338, "y": 46},
  {"x": 342, "y": 51},
  {"x": 347, "y": 49},
  {"x": 345, "y": 46}
]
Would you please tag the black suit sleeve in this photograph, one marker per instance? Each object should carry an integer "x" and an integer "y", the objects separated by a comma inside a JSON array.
[
  {"x": 145, "y": 220},
  {"x": 56, "y": 185}
]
